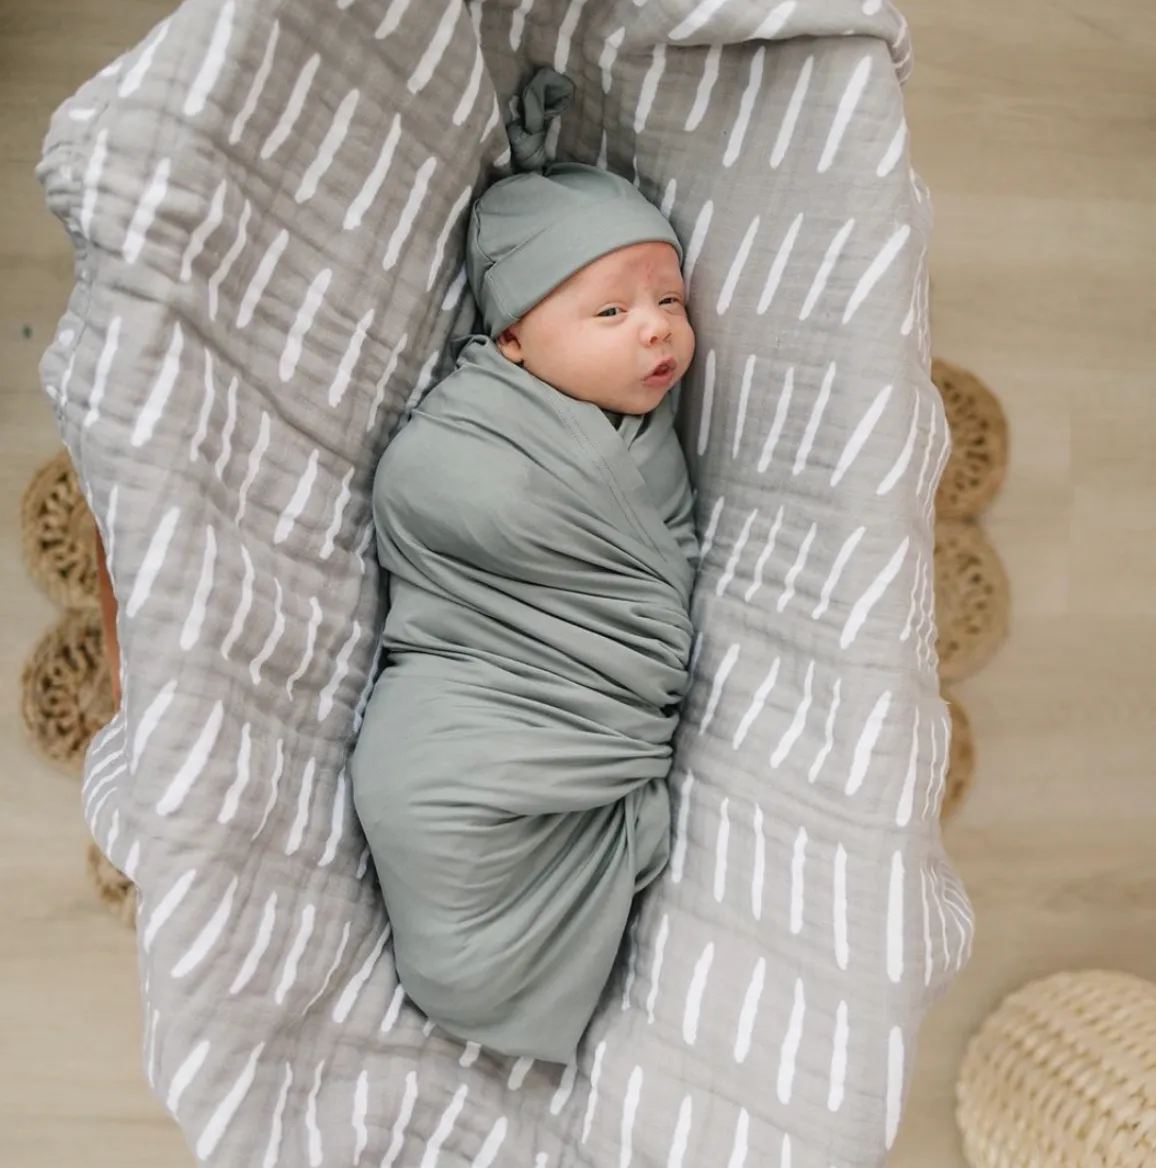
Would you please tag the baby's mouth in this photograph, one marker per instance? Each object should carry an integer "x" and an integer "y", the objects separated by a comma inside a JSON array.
[{"x": 663, "y": 370}]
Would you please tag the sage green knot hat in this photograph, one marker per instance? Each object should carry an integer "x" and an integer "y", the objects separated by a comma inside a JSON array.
[{"x": 531, "y": 232}]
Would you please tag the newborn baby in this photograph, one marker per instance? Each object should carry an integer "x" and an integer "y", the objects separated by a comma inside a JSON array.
[{"x": 535, "y": 518}]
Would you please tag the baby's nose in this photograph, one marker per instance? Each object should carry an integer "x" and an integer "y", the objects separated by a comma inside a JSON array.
[{"x": 655, "y": 328}]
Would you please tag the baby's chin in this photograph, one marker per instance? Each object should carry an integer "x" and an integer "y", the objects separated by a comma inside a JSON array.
[
  {"x": 643, "y": 400},
  {"x": 634, "y": 400}
]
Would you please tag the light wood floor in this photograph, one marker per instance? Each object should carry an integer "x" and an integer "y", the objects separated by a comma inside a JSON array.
[
  {"x": 71, "y": 1090},
  {"x": 1034, "y": 122}
]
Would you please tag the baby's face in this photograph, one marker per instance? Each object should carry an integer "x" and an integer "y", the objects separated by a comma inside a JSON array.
[{"x": 615, "y": 334}]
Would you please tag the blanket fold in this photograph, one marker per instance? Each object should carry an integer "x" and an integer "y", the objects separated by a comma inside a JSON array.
[{"x": 510, "y": 774}]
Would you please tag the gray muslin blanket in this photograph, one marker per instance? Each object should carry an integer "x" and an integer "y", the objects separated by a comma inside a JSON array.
[{"x": 510, "y": 774}]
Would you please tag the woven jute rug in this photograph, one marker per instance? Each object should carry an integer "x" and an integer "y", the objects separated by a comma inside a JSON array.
[
  {"x": 975, "y": 471},
  {"x": 67, "y": 690},
  {"x": 972, "y": 594},
  {"x": 58, "y": 535}
]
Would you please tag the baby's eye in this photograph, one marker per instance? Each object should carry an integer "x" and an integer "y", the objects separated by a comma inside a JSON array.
[
  {"x": 671, "y": 300},
  {"x": 609, "y": 312}
]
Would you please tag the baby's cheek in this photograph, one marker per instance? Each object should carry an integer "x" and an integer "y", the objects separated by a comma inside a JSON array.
[{"x": 690, "y": 342}]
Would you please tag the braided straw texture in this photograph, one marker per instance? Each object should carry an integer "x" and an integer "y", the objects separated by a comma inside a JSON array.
[
  {"x": 972, "y": 599},
  {"x": 1063, "y": 1075},
  {"x": 66, "y": 689},
  {"x": 975, "y": 472},
  {"x": 961, "y": 761},
  {"x": 59, "y": 535}
]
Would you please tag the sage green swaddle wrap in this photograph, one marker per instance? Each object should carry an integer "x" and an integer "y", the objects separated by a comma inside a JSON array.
[{"x": 510, "y": 773}]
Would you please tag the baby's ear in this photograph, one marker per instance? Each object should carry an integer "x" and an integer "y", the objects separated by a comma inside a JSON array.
[{"x": 509, "y": 346}]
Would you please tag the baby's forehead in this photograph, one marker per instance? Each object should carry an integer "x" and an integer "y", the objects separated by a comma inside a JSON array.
[{"x": 645, "y": 261}]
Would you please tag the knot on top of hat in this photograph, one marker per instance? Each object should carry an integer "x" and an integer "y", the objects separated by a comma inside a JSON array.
[{"x": 544, "y": 98}]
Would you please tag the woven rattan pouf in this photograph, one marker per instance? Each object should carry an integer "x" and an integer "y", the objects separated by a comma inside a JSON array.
[{"x": 1063, "y": 1075}]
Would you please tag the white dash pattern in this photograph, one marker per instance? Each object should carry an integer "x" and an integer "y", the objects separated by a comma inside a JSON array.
[
  {"x": 798, "y": 867},
  {"x": 780, "y": 417},
  {"x": 750, "y": 1010},
  {"x": 720, "y": 679},
  {"x": 694, "y": 995},
  {"x": 722, "y": 844},
  {"x": 789, "y": 1051}
]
